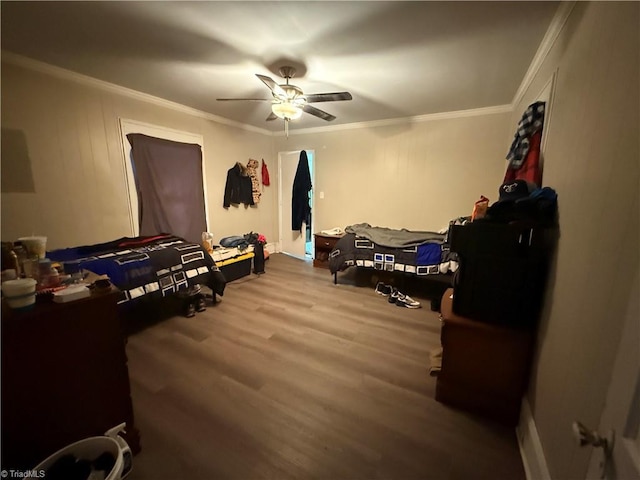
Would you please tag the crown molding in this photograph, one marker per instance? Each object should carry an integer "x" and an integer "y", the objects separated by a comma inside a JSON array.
[
  {"x": 69, "y": 75},
  {"x": 474, "y": 112},
  {"x": 555, "y": 27}
]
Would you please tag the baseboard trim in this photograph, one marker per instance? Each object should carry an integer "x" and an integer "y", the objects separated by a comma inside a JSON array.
[{"x": 535, "y": 464}]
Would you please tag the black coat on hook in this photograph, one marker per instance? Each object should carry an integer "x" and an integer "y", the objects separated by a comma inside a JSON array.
[{"x": 300, "y": 208}]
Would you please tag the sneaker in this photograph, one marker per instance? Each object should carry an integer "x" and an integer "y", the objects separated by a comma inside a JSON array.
[
  {"x": 407, "y": 302},
  {"x": 383, "y": 289},
  {"x": 201, "y": 304},
  {"x": 393, "y": 296}
]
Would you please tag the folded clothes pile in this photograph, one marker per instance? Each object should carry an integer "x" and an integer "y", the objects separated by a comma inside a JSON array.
[{"x": 395, "y": 296}]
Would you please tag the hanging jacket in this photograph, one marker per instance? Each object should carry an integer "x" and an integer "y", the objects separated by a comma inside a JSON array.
[
  {"x": 252, "y": 169},
  {"x": 265, "y": 175},
  {"x": 530, "y": 123},
  {"x": 238, "y": 187},
  {"x": 531, "y": 168},
  {"x": 300, "y": 208}
]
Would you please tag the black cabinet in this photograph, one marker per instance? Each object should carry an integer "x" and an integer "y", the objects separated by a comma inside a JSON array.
[{"x": 503, "y": 271}]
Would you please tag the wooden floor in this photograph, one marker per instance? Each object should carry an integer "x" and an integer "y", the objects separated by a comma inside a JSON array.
[{"x": 290, "y": 376}]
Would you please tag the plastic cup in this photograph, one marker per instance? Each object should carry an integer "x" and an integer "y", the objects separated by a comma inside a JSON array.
[{"x": 35, "y": 246}]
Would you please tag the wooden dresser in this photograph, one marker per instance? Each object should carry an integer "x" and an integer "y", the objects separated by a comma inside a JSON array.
[
  {"x": 485, "y": 367},
  {"x": 64, "y": 378},
  {"x": 323, "y": 244}
]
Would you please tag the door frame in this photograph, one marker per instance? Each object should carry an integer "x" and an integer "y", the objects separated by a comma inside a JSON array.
[
  {"x": 620, "y": 417},
  {"x": 134, "y": 126},
  {"x": 529, "y": 443},
  {"x": 280, "y": 196}
]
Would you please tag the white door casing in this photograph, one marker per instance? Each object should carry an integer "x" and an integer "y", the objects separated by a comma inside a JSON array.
[{"x": 622, "y": 408}]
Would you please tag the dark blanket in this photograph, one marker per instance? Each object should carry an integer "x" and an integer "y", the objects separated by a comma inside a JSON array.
[
  {"x": 423, "y": 259},
  {"x": 146, "y": 267},
  {"x": 388, "y": 237}
]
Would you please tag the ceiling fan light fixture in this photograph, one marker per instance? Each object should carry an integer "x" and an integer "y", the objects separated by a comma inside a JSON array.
[{"x": 286, "y": 110}]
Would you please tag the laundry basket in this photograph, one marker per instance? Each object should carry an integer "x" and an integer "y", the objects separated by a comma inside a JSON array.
[{"x": 107, "y": 457}]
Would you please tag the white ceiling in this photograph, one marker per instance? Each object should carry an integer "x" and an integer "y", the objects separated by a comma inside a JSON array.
[{"x": 398, "y": 59}]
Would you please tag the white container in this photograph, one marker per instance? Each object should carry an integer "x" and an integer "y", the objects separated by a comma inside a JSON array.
[
  {"x": 71, "y": 293},
  {"x": 91, "y": 448},
  {"x": 20, "y": 293},
  {"x": 35, "y": 246}
]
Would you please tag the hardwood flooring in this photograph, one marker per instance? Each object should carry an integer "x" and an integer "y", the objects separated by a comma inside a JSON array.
[{"x": 290, "y": 376}]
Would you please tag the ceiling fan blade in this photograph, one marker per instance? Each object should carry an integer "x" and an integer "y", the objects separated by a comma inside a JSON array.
[
  {"x": 272, "y": 116},
  {"x": 244, "y": 99},
  {"x": 328, "y": 97},
  {"x": 273, "y": 86},
  {"x": 318, "y": 113}
]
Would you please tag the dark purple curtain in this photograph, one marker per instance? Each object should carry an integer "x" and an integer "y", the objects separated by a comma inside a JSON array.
[{"x": 168, "y": 178}]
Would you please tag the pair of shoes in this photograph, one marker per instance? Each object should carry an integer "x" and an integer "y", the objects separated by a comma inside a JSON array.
[
  {"x": 407, "y": 302},
  {"x": 402, "y": 300},
  {"x": 395, "y": 296},
  {"x": 201, "y": 303},
  {"x": 383, "y": 289}
]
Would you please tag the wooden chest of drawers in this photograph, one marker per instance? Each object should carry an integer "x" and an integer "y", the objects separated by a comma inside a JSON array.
[
  {"x": 485, "y": 367},
  {"x": 64, "y": 378}
]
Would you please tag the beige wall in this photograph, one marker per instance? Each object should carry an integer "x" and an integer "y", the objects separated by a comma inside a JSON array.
[
  {"x": 416, "y": 175},
  {"x": 63, "y": 173},
  {"x": 592, "y": 160},
  {"x": 62, "y": 161}
]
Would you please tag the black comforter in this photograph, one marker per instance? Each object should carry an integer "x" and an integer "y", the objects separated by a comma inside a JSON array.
[{"x": 146, "y": 267}]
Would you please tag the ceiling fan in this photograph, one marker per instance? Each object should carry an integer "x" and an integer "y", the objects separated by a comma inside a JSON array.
[{"x": 289, "y": 101}]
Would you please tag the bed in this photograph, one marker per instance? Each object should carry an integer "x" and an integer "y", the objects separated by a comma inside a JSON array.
[
  {"x": 422, "y": 254},
  {"x": 146, "y": 268}
]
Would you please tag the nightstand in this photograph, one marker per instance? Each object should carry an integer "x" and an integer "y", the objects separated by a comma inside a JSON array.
[{"x": 323, "y": 246}]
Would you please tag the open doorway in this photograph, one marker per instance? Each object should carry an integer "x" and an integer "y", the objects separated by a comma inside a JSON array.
[
  {"x": 308, "y": 227},
  {"x": 296, "y": 243}
]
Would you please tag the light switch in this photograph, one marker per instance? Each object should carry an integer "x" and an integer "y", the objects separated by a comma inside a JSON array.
[{"x": 321, "y": 195}]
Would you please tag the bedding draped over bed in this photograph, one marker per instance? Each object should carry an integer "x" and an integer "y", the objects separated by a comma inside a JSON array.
[
  {"x": 381, "y": 248},
  {"x": 147, "y": 267},
  {"x": 389, "y": 237}
]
